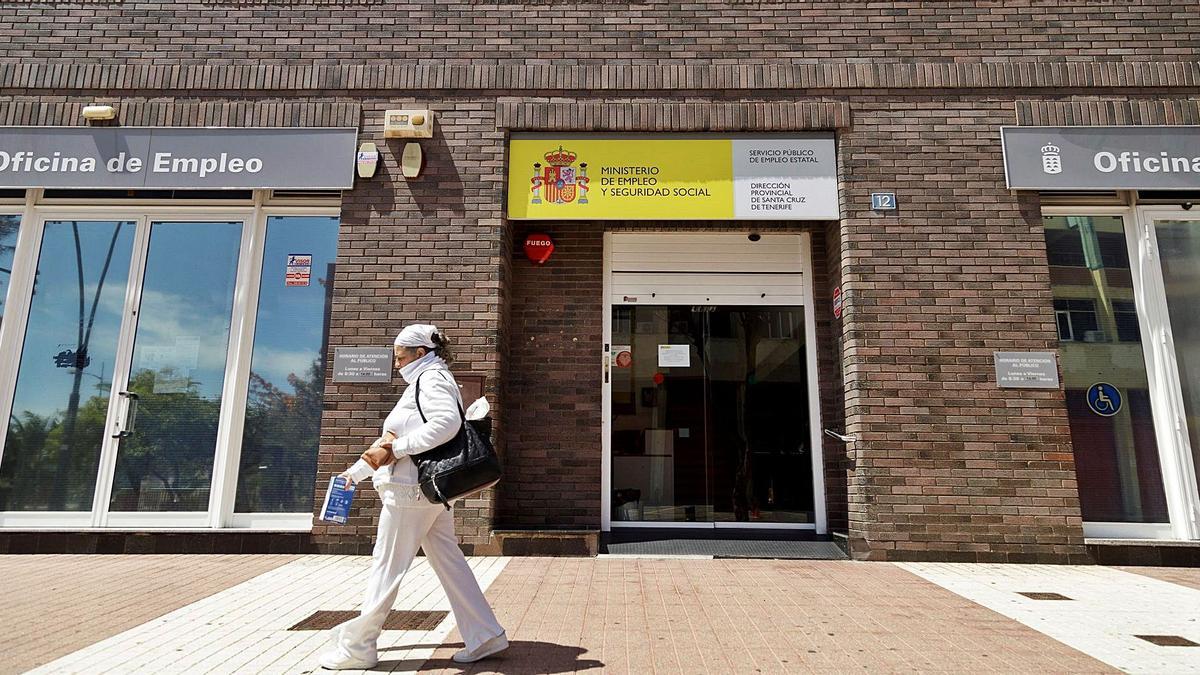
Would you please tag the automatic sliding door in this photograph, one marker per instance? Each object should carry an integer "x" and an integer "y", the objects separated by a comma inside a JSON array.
[
  {"x": 710, "y": 415},
  {"x": 660, "y": 469},
  {"x": 759, "y": 437}
]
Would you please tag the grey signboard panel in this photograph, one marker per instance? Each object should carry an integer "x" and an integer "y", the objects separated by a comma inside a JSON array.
[
  {"x": 1102, "y": 158},
  {"x": 362, "y": 364},
  {"x": 1026, "y": 370},
  {"x": 177, "y": 157}
]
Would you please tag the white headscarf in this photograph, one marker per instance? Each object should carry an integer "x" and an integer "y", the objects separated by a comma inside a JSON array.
[{"x": 417, "y": 335}]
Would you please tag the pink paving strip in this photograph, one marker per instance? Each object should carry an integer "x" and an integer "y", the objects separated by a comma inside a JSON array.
[
  {"x": 57, "y": 604},
  {"x": 723, "y": 616}
]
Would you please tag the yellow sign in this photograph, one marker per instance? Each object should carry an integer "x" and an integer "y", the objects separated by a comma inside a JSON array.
[
  {"x": 601, "y": 179},
  {"x": 673, "y": 178}
]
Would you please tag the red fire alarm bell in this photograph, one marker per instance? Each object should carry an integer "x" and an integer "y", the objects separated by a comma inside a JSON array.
[{"x": 538, "y": 247}]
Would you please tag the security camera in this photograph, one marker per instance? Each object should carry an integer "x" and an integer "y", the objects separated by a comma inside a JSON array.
[
  {"x": 754, "y": 236},
  {"x": 1187, "y": 206}
]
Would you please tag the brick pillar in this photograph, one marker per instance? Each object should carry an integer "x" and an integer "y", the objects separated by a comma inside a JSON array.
[
  {"x": 948, "y": 466},
  {"x": 430, "y": 249}
]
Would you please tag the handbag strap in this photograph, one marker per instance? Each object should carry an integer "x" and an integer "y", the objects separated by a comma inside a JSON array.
[{"x": 417, "y": 397}]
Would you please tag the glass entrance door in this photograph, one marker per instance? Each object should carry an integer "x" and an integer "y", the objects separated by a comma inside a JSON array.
[
  {"x": 59, "y": 415},
  {"x": 1173, "y": 292},
  {"x": 120, "y": 383},
  {"x": 1179, "y": 254},
  {"x": 710, "y": 415},
  {"x": 167, "y": 438}
]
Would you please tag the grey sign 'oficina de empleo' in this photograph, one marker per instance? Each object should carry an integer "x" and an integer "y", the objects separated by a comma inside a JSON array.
[
  {"x": 1102, "y": 158},
  {"x": 177, "y": 158}
]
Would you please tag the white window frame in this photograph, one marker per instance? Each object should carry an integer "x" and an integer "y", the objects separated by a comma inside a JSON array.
[
  {"x": 820, "y": 518},
  {"x": 1166, "y": 401},
  {"x": 220, "y": 513}
]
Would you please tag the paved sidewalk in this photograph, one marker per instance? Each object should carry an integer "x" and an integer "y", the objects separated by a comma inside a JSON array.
[
  {"x": 1100, "y": 611},
  {"x": 608, "y": 614},
  {"x": 750, "y": 616},
  {"x": 57, "y": 604}
]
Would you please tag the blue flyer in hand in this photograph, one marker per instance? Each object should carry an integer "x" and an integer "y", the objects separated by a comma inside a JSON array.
[{"x": 337, "y": 501}]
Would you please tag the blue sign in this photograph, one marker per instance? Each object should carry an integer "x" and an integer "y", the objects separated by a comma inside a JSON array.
[
  {"x": 1104, "y": 399},
  {"x": 883, "y": 201}
]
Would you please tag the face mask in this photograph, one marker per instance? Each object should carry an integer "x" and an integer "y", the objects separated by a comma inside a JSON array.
[{"x": 413, "y": 369}]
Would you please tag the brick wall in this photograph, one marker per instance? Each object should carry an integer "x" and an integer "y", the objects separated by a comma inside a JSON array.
[
  {"x": 947, "y": 464},
  {"x": 606, "y": 31},
  {"x": 552, "y": 450},
  {"x": 429, "y": 250}
]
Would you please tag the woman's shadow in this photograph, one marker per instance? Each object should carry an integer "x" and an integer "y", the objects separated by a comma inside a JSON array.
[{"x": 522, "y": 656}]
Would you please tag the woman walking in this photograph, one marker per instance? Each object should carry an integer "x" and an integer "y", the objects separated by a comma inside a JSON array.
[{"x": 408, "y": 521}]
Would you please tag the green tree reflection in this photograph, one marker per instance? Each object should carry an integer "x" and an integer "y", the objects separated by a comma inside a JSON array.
[{"x": 280, "y": 442}]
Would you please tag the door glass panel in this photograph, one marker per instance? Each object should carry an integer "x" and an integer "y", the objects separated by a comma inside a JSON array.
[
  {"x": 178, "y": 371},
  {"x": 716, "y": 427},
  {"x": 1116, "y": 455},
  {"x": 759, "y": 440},
  {"x": 1179, "y": 250},
  {"x": 57, "y": 423},
  {"x": 659, "y": 458},
  {"x": 287, "y": 373},
  {"x": 9, "y": 225}
]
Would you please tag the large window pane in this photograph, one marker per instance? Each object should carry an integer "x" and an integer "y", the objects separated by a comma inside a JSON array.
[
  {"x": 178, "y": 369},
  {"x": 9, "y": 225},
  {"x": 1179, "y": 249},
  {"x": 1116, "y": 457},
  {"x": 56, "y": 426},
  {"x": 287, "y": 378}
]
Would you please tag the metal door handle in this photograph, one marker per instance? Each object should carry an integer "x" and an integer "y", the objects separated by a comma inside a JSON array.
[
  {"x": 130, "y": 416},
  {"x": 841, "y": 437}
]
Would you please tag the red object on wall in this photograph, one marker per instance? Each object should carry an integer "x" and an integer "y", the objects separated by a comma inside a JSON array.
[{"x": 538, "y": 247}]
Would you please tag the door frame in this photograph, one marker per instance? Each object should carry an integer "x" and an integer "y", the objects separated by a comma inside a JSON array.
[
  {"x": 820, "y": 518},
  {"x": 235, "y": 390},
  {"x": 1166, "y": 397}
]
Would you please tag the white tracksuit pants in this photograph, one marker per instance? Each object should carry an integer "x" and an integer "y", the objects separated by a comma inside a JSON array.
[{"x": 402, "y": 530}]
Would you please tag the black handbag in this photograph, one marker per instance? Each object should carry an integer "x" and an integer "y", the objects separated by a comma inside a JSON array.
[{"x": 461, "y": 466}]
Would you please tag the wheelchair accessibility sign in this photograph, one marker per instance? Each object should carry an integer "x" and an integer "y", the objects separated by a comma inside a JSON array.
[{"x": 1104, "y": 399}]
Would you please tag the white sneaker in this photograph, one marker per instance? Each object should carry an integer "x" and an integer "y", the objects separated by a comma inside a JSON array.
[
  {"x": 338, "y": 659},
  {"x": 492, "y": 646}
]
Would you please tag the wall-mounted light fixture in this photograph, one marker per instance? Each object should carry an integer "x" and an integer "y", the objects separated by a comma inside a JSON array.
[
  {"x": 99, "y": 112},
  {"x": 411, "y": 160}
]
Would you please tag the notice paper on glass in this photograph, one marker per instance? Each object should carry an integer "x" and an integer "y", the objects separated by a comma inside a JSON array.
[
  {"x": 338, "y": 498},
  {"x": 674, "y": 356}
]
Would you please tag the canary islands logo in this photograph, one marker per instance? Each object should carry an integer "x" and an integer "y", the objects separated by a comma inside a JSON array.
[
  {"x": 1051, "y": 159},
  {"x": 560, "y": 179}
]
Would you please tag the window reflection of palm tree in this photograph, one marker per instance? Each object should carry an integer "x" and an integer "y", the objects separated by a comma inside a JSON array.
[{"x": 87, "y": 319}]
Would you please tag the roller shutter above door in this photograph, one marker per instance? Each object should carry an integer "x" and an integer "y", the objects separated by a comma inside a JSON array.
[{"x": 706, "y": 268}]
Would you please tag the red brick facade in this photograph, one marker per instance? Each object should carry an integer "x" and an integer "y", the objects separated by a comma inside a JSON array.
[{"x": 946, "y": 465}]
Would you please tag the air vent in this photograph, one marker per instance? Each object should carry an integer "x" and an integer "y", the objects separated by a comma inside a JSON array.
[
  {"x": 191, "y": 195},
  {"x": 1168, "y": 196},
  {"x": 307, "y": 195},
  {"x": 1086, "y": 197}
]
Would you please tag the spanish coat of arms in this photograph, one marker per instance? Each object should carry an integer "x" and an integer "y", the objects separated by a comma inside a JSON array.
[{"x": 561, "y": 181}]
